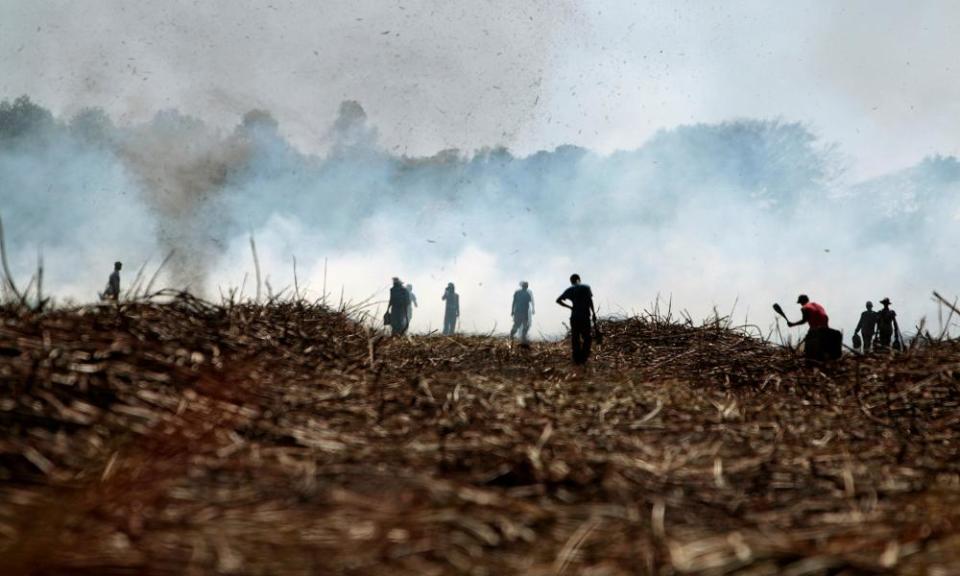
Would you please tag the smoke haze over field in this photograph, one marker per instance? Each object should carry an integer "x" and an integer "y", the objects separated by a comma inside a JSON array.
[
  {"x": 741, "y": 153},
  {"x": 749, "y": 211}
]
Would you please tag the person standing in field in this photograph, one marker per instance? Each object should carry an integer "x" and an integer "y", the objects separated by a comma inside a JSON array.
[
  {"x": 867, "y": 326},
  {"x": 112, "y": 291},
  {"x": 582, "y": 316},
  {"x": 522, "y": 310},
  {"x": 887, "y": 326},
  {"x": 451, "y": 310},
  {"x": 413, "y": 304},
  {"x": 398, "y": 307}
]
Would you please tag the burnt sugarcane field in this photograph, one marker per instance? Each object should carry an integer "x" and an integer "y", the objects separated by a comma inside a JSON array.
[
  {"x": 176, "y": 436},
  {"x": 498, "y": 288}
]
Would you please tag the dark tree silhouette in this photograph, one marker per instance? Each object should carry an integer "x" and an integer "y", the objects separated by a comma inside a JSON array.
[{"x": 22, "y": 117}]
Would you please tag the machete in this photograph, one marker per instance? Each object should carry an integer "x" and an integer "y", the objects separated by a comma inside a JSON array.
[{"x": 779, "y": 310}]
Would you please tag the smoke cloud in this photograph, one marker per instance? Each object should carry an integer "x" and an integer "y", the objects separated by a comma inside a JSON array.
[{"x": 729, "y": 216}]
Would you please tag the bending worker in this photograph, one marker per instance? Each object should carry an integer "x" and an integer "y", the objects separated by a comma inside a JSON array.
[{"x": 816, "y": 317}]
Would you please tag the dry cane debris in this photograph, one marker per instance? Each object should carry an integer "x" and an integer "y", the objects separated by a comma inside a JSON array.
[{"x": 184, "y": 437}]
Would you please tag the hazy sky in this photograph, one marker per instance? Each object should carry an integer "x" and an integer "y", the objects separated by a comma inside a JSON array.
[{"x": 880, "y": 78}]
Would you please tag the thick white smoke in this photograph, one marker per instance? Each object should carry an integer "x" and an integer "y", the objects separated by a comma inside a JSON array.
[{"x": 732, "y": 216}]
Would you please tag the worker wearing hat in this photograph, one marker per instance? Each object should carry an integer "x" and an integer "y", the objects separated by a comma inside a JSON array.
[
  {"x": 813, "y": 314},
  {"x": 887, "y": 326}
]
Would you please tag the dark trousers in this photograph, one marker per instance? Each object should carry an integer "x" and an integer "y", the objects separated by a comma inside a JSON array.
[
  {"x": 813, "y": 344},
  {"x": 867, "y": 340},
  {"x": 521, "y": 324},
  {"x": 580, "y": 339},
  {"x": 885, "y": 338},
  {"x": 823, "y": 344},
  {"x": 398, "y": 323},
  {"x": 449, "y": 323}
]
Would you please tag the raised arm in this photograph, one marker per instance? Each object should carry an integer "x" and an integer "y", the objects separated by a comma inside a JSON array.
[{"x": 802, "y": 320}]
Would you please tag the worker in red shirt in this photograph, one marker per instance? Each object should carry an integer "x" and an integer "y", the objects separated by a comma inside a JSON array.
[
  {"x": 816, "y": 317},
  {"x": 813, "y": 314}
]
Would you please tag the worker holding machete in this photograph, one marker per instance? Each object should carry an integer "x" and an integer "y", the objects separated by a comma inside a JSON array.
[{"x": 820, "y": 340}]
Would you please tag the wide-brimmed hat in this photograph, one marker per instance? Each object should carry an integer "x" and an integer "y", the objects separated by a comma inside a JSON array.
[{"x": 886, "y": 301}]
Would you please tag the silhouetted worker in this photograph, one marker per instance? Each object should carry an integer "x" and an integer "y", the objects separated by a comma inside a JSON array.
[
  {"x": 522, "y": 310},
  {"x": 816, "y": 317},
  {"x": 398, "y": 307},
  {"x": 413, "y": 302},
  {"x": 887, "y": 326},
  {"x": 867, "y": 326},
  {"x": 581, "y": 313},
  {"x": 451, "y": 310},
  {"x": 112, "y": 291}
]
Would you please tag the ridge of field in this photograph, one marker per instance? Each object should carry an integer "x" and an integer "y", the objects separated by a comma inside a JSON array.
[{"x": 186, "y": 437}]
